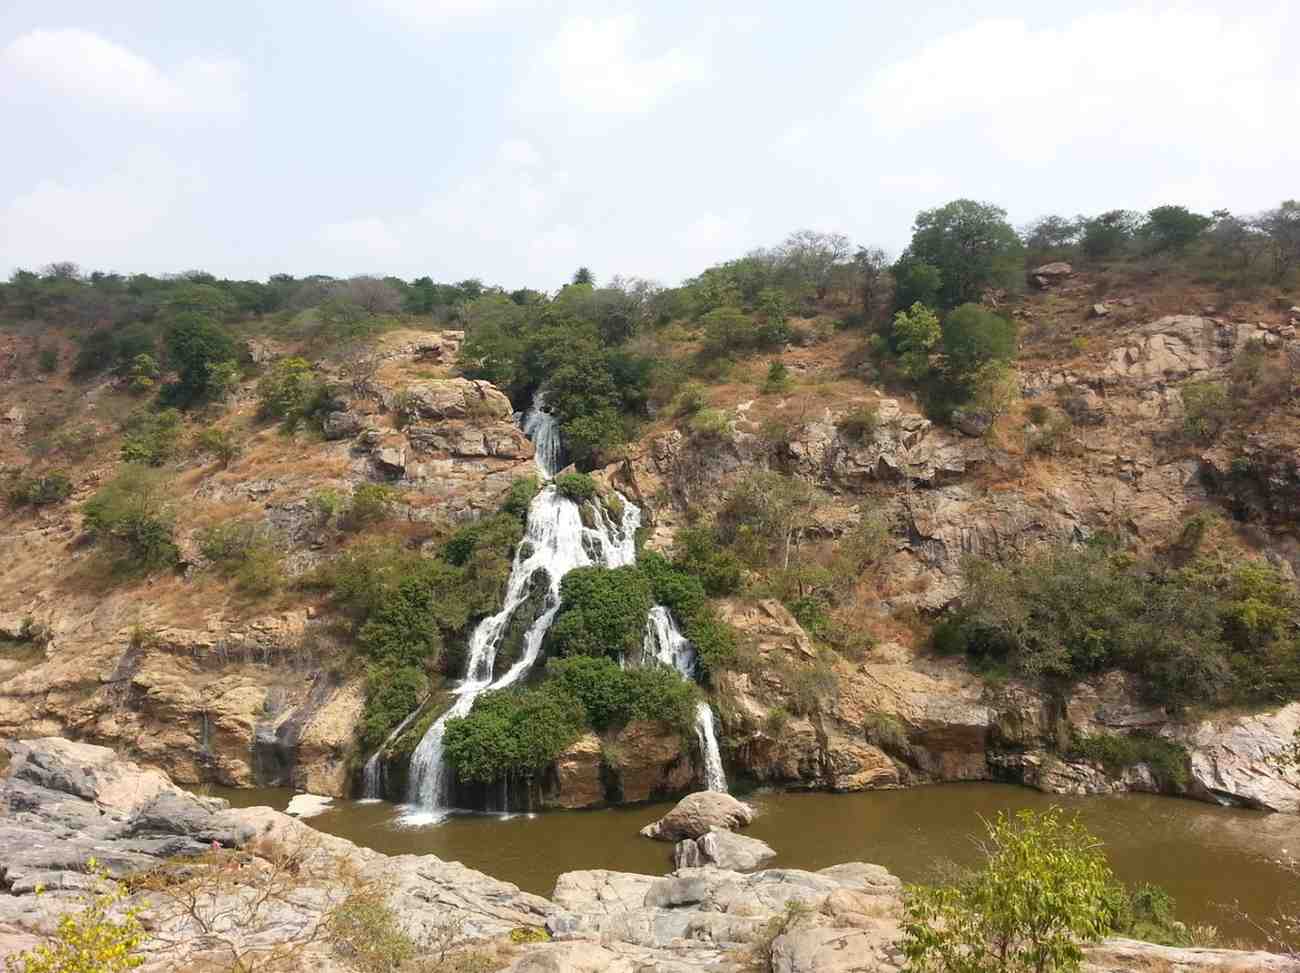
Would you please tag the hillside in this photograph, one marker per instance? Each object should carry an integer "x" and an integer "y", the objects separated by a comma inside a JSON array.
[{"x": 810, "y": 479}]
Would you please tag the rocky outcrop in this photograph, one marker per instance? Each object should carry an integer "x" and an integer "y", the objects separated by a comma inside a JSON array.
[
  {"x": 450, "y": 398},
  {"x": 1048, "y": 274},
  {"x": 722, "y": 848},
  {"x": 64, "y": 803},
  {"x": 697, "y": 814},
  {"x": 642, "y": 761},
  {"x": 1251, "y": 760}
]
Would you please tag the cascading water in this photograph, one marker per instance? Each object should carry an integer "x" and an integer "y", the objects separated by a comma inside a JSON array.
[
  {"x": 556, "y": 542},
  {"x": 372, "y": 773},
  {"x": 665, "y": 644}
]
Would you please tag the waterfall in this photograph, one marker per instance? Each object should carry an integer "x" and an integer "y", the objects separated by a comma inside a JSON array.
[
  {"x": 556, "y": 542},
  {"x": 666, "y": 645},
  {"x": 372, "y": 774},
  {"x": 540, "y": 426}
]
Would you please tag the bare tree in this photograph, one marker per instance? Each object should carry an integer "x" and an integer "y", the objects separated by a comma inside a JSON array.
[
  {"x": 813, "y": 256},
  {"x": 872, "y": 265},
  {"x": 1282, "y": 228},
  {"x": 373, "y": 295}
]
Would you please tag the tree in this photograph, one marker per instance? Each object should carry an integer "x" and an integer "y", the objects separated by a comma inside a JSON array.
[
  {"x": 373, "y": 295},
  {"x": 811, "y": 257},
  {"x": 196, "y": 345},
  {"x": 1048, "y": 236},
  {"x": 872, "y": 265},
  {"x": 1235, "y": 241},
  {"x": 1043, "y": 891},
  {"x": 1281, "y": 226},
  {"x": 916, "y": 332},
  {"x": 974, "y": 336},
  {"x": 1108, "y": 234},
  {"x": 583, "y": 275},
  {"x": 1173, "y": 228},
  {"x": 916, "y": 282},
  {"x": 972, "y": 246}
]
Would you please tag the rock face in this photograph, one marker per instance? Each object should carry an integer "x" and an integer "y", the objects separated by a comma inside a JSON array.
[
  {"x": 641, "y": 761},
  {"x": 63, "y": 803},
  {"x": 724, "y": 849},
  {"x": 1248, "y": 760},
  {"x": 697, "y": 814}
]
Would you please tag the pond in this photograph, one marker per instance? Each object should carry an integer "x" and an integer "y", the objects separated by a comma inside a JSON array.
[{"x": 1207, "y": 857}]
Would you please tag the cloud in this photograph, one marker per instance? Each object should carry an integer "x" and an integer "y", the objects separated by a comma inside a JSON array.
[
  {"x": 444, "y": 13},
  {"x": 520, "y": 153},
  {"x": 83, "y": 66},
  {"x": 1140, "y": 77},
  {"x": 598, "y": 65},
  {"x": 122, "y": 211}
]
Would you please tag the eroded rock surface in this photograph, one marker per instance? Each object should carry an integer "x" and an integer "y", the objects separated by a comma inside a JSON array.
[{"x": 697, "y": 814}]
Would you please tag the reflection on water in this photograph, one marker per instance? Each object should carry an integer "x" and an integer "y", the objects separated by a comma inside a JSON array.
[{"x": 1204, "y": 856}]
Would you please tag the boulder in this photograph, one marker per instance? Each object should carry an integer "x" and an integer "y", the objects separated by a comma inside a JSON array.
[
  {"x": 1248, "y": 760},
  {"x": 1051, "y": 273},
  {"x": 724, "y": 849},
  {"x": 452, "y": 398},
  {"x": 696, "y": 814},
  {"x": 972, "y": 422},
  {"x": 343, "y": 424},
  {"x": 1098, "y": 311}
]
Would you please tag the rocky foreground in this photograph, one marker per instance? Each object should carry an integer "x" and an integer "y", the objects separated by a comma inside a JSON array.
[{"x": 269, "y": 897}]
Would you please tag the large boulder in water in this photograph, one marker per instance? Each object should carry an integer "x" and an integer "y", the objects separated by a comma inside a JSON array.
[
  {"x": 724, "y": 849},
  {"x": 696, "y": 814}
]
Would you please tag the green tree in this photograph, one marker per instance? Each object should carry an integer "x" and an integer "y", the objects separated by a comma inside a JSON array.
[
  {"x": 916, "y": 332},
  {"x": 1042, "y": 893},
  {"x": 971, "y": 244},
  {"x": 1108, "y": 234},
  {"x": 602, "y": 612},
  {"x": 974, "y": 336},
  {"x": 513, "y": 733},
  {"x": 197, "y": 346},
  {"x": 289, "y": 391},
  {"x": 583, "y": 275},
  {"x": 916, "y": 282},
  {"x": 132, "y": 520},
  {"x": 1173, "y": 228}
]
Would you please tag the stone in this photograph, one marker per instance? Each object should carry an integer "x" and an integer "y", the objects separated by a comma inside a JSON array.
[
  {"x": 452, "y": 398},
  {"x": 1098, "y": 311},
  {"x": 342, "y": 424},
  {"x": 1244, "y": 760},
  {"x": 390, "y": 460},
  {"x": 698, "y": 813},
  {"x": 1051, "y": 273},
  {"x": 734, "y": 852},
  {"x": 972, "y": 422}
]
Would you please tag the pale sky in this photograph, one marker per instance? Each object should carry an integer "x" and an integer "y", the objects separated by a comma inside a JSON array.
[{"x": 513, "y": 141}]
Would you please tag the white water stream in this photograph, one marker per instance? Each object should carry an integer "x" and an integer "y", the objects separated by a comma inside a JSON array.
[
  {"x": 665, "y": 644},
  {"x": 556, "y": 542}
]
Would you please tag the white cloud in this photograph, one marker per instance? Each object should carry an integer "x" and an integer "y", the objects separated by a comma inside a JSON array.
[
  {"x": 598, "y": 65},
  {"x": 1134, "y": 78},
  {"x": 82, "y": 65},
  {"x": 519, "y": 152},
  {"x": 443, "y": 13},
  {"x": 123, "y": 211}
]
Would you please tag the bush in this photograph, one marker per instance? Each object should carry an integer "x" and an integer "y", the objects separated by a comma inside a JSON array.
[
  {"x": 613, "y": 696},
  {"x": 916, "y": 332},
  {"x": 885, "y": 731},
  {"x": 728, "y": 330},
  {"x": 974, "y": 336},
  {"x": 710, "y": 425},
  {"x": 1169, "y": 761},
  {"x": 130, "y": 518},
  {"x": 698, "y": 552},
  {"x": 204, "y": 355},
  {"x": 42, "y": 490},
  {"x": 811, "y": 688},
  {"x": 1042, "y": 893},
  {"x": 690, "y": 400},
  {"x": 777, "y": 380},
  {"x": 602, "y": 612},
  {"x": 47, "y": 359},
  {"x": 1206, "y": 410},
  {"x": 289, "y": 391},
  {"x": 513, "y": 733},
  {"x": 247, "y": 552},
  {"x": 861, "y": 423},
  {"x": 520, "y": 496},
  {"x": 221, "y": 444},
  {"x": 392, "y": 694},
  {"x": 103, "y": 936},
  {"x": 575, "y": 486},
  {"x": 371, "y": 504},
  {"x": 151, "y": 438}
]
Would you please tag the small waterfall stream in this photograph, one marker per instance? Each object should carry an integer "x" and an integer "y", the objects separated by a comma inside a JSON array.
[
  {"x": 372, "y": 773},
  {"x": 665, "y": 644},
  {"x": 556, "y": 542}
]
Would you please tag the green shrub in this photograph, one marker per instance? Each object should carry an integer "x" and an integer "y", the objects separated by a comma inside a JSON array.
[
  {"x": 151, "y": 438},
  {"x": 602, "y": 612},
  {"x": 1044, "y": 891},
  {"x": 405, "y": 627},
  {"x": 916, "y": 332},
  {"x": 520, "y": 496},
  {"x": 777, "y": 380},
  {"x": 371, "y": 504},
  {"x": 697, "y": 551},
  {"x": 247, "y": 552},
  {"x": 974, "y": 336},
  {"x": 613, "y": 696},
  {"x": 130, "y": 518},
  {"x": 42, "y": 490},
  {"x": 811, "y": 687},
  {"x": 1169, "y": 761},
  {"x": 683, "y": 593},
  {"x": 1206, "y": 410},
  {"x": 513, "y": 733},
  {"x": 204, "y": 355},
  {"x": 143, "y": 373},
  {"x": 728, "y": 330},
  {"x": 861, "y": 423},
  {"x": 690, "y": 400},
  {"x": 885, "y": 731},
  {"x": 47, "y": 359},
  {"x": 219, "y": 443},
  {"x": 290, "y": 392},
  {"x": 392, "y": 694},
  {"x": 575, "y": 486},
  {"x": 712, "y": 425},
  {"x": 500, "y": 533}
]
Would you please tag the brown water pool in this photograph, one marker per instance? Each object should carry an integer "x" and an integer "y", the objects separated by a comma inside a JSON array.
[{"x": 1207, "y": 857}]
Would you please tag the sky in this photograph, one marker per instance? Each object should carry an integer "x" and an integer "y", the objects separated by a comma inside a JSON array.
[{"x": 514, "y": 141}]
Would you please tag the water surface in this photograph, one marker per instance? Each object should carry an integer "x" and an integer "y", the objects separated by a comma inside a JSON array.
[{"x": 1205, "y": 856}]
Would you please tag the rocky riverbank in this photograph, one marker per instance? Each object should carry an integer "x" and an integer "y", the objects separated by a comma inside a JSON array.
[{"x": 65, "y": 803}]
